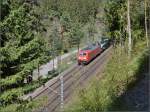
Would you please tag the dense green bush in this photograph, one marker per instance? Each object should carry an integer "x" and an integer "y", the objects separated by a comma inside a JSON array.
[
  {"x": 13, "y": 95},
  {"x": 10, "y": 96},
  {"x": 25, "y": 106}
]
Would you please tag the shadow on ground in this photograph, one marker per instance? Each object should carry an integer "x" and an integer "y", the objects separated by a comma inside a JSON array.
[{"x": 136, "y": 96}]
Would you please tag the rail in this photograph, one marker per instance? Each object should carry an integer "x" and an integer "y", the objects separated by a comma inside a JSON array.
[{"x": 72, "y": 79}]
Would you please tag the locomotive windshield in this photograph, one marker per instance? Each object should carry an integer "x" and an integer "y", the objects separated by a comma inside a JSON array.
[{"x": 82, "y": 54}]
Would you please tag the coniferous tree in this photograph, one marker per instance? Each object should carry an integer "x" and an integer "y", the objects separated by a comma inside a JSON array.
[{"x": 22, "y": 47}]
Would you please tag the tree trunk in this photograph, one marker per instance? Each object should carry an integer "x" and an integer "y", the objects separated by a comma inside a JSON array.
[
  {"x": 53, "y": 63},
  {"x": 62, "y": 35},
  {"x": 78, "y": 46},
  {"x": 146, "y": 34},
  {"x": 129, "y": 29}
]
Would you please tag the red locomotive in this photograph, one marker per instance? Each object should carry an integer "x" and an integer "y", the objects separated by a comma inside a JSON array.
[{"x": 87, "y": 54}]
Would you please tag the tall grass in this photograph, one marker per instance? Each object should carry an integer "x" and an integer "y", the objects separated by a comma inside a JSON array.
[{"x": 120, "y": 72}]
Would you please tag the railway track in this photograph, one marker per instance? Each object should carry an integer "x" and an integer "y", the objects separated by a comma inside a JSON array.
[{"x": 72, "y": 78}]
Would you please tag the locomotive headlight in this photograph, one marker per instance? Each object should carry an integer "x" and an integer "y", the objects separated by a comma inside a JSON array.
[{"x": 85, "y": 58}]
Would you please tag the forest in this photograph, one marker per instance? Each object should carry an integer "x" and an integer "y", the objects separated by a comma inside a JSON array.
[{"x": 36, "y": 31}]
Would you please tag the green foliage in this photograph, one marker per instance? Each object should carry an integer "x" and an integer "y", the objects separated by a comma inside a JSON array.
[
  {"x": 10, "y": 108},
  {"x": 34, "y": 105},
  {"x": 29, "y": 88},
  {"x": 90, "y": 30},
  {"x": 10, "y": 96},
  {"x": 79, "y": 10},
  {"x": 69, "y": 18},
  {"x": 76, "y": 34},
  {"x": 22, "y": 49},
  {"x": 116, "y": 19},
  {"x": 14, "y": 95},
  {"x": 25, "y": 106}
]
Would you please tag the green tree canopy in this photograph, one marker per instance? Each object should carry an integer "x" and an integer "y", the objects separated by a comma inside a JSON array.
[{"x": 22, "y": 48}]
